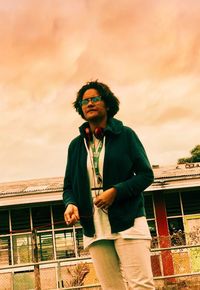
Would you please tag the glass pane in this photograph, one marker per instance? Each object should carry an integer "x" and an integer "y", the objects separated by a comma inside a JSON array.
[
  {"x": 58, "y": 216},
  {"x": 173, "y": 205},
  {"x": 79, "y": 242},
  {"x": 5, "y": 251},
  {"x": 191, "y": 202},
  {"x": 41, "y": 217},
  {"x": 45, "y": 246},
  {"x": 4, "y": 224},
  {"x": 148, "y": 201},
  {"x": 22, "y": 248},
  {"x": 20, "y": 219},
  {"x": 152, "y": 228},
  {"x": 64, "y": 244},
  {"x": 23, "y": 280},
  {"x": 176, "y": 230}
]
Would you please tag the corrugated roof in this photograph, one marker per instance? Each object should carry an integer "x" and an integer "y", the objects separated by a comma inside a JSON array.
[
  {"x": 29, "y": 186},
  {"x": 162, "y": 174},
  {"x": 179, "y": 170}
]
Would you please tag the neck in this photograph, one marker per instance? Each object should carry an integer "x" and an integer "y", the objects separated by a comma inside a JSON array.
[{"x": 94, "y": 124}]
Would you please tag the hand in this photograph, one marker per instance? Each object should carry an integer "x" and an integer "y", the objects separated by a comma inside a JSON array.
[
  {"x": 106, "y": 198},
  {"x": 71, "y": 214}
]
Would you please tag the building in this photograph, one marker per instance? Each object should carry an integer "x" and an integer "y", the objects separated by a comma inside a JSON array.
[{"x": 37, "y": 248}]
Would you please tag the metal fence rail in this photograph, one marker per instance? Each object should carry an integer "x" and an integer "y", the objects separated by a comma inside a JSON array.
[{"x": 55, "y": 274}]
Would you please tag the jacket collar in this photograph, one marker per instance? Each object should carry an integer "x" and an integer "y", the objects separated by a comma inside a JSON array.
[{"x": 114, "y": 126}]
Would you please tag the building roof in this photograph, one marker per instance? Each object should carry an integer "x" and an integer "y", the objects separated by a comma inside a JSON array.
[
  {"x": 31, "y": 185},
  {"x": 175, "y": 177},
  {"x": 166, "y": 178},
  {"x": 188, "y": 169},
  {"x": 31, "y": 191}
]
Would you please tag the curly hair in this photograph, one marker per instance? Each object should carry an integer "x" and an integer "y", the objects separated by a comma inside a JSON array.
[{"x": 107, "y": 95}]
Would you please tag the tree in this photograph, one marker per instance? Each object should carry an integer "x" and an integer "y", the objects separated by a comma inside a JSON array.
[{"x": 195, "y": 152}]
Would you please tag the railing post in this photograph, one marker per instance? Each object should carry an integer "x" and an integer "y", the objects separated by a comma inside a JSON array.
[
  {"x": 60, "y": 281},
  {"x": 163, "y": 233},
  {"x": 35, "y": 260}
]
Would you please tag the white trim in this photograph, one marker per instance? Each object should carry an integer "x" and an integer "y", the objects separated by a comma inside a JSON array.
[{"x": 31, "y": 198}]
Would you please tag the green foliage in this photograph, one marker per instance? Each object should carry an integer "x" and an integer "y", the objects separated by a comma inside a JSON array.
[
  {"x": 196, "y": 153},
  {"x": 195, "y": 156}
]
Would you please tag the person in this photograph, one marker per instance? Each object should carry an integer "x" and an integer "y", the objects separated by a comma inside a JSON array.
[{"x": 106, "y": 173}]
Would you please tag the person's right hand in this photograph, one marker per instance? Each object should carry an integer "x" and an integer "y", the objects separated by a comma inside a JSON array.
[{"x": 71, "y": 214}]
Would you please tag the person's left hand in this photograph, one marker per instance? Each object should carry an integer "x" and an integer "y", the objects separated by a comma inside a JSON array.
[{"x": 106, "y": 198}]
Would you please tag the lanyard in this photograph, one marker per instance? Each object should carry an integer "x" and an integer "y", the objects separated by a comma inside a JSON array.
[{"x": 95, "y": 156}]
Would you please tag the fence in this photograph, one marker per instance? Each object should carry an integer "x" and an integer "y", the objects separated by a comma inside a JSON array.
[{"x": 176, "y": 267}]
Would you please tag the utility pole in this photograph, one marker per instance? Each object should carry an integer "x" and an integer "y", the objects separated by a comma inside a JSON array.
[{"x": 35, "y": 260}]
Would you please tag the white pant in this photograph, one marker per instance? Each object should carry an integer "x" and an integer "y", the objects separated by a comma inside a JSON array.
[{"x": 120, "y": 260}]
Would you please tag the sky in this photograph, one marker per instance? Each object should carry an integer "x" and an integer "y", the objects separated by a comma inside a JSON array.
[{"x": 146, "y": 51}]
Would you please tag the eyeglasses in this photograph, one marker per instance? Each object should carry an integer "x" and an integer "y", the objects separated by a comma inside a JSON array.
[{"x": 85, "y": 102}]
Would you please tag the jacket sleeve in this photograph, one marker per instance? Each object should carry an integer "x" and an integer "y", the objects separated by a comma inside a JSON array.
[
  {"x": 142, "y": 175},
  {"x": 68, "y": 197}
]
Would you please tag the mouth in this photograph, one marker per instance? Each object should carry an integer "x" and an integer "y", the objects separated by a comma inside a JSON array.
[{"x": 91, "y": 110}]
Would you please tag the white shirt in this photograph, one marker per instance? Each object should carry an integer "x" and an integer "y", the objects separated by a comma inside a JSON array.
[{"x": 139, "y": 230}]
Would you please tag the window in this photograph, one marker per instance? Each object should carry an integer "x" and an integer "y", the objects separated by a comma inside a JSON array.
[
  {"x": 65, "y": 244},
  {"x": 79, "y": 242},
  {"x": 190, "y": 205},
  {"x": 173, "y": 205},
  {"x": 191, "y": 202},
  {"x": 58, "y": 216},
  {"x": 41, "y": 217},
  {"x": 152, "y": 228},
  {"x": 4, "y": 224},
  {"x": 149, "y": 206},
  {"x": 176, "y": 230},
  {"x": 45, "y": 246},
  {"x": 20, "y": 219},
  {"x": 5, "y": 258},
  {"x": 22, "y": 248},
  {"x": 23, "y": 280},
  {"x": 153, "y": 231}
]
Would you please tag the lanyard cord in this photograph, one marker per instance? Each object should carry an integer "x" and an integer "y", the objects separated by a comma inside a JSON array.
[
  {"x": 95, "y": 172},
  {"x": 95, "y": 157}
]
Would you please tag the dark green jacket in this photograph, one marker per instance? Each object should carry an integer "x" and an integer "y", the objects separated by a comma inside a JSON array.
[{"x": 126, "y": 167}]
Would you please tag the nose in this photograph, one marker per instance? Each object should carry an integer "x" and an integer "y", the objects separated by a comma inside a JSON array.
[{"x": 90, "y": 102}]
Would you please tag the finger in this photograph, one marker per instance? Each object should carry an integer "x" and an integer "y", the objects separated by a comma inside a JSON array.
[
  {"x": 73, "y": 220},
  {"x": 98, "y": 202},
  {"x": 76, "y": 213},
  {"x": 68, "y": 218},
  {"x": 65, "y": 216},
  {"x": 101, "y": 206},
  {"x": 74, "y": 217},
  {"x": 104, "y": 206}
]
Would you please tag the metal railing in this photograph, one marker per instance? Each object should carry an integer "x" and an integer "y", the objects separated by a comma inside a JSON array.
[{"x": 36, "y": 275}]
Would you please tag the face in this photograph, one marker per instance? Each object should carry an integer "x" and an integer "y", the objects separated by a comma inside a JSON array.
[{"x": 95, "y": 109}]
